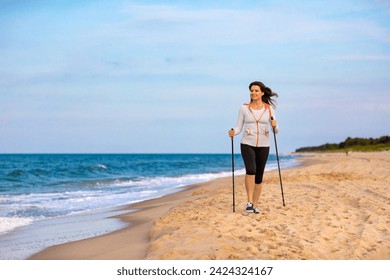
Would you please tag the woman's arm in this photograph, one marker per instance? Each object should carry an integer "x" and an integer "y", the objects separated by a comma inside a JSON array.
[{"x": 240, "y": 123}]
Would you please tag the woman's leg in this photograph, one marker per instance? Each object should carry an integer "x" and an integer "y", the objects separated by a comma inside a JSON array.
[
  {"x": 248, "y": 155},
  {"x": 256, "y": 194},
  {"x": 261, "y": 160},
  {"x": 250, "y": 186}
]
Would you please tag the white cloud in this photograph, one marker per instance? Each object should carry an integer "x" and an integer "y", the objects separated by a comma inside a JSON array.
[{"x": 261, "y": 25}]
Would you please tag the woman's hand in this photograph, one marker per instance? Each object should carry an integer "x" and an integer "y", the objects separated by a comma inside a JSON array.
[
  {"x": 231, "y": 133},
  {"x": 273, "y": 123}
]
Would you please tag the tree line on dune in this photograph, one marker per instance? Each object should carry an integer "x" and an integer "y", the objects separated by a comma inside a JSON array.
[{"x": 352, "y": 144}]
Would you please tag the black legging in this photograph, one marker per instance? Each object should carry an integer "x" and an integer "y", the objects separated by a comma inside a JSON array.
[{"x": 255, "y": 159}]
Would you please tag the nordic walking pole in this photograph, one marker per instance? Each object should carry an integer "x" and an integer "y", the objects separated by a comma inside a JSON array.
[
  {"x": 277, "y": 158},
  {"x": 234, "y": 202}
]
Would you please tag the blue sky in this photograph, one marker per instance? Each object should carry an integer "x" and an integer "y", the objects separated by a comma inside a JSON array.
[{"x": 170, "y": 76}]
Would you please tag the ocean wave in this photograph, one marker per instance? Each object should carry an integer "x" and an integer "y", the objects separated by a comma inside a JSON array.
[
  {"x": 16, "y": 173},
  {"x": 63, "y": 185},
  {"x": 176, "y": 181},
  {"x": 23, "y": 208},
  {"x": 59, "y": 171}
]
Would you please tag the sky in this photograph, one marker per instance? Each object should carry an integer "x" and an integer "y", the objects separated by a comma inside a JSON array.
[{"x": 81, "y": 76}]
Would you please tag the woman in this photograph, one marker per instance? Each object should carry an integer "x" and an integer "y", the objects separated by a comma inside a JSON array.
[{"x": 254, "y": 119}]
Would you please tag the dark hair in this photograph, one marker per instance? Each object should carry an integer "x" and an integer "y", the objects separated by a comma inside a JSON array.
[{"x": 268, "y": 93}]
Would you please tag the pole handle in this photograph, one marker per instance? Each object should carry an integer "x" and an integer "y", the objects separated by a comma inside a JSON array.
[{"x": 273, "y": 128}]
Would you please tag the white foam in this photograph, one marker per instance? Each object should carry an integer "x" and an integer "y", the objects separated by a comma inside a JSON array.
[
  {"x": 8, "y": 224},
  {"x": 169, "y": 182},
  {"x": 44, "y": 233}
]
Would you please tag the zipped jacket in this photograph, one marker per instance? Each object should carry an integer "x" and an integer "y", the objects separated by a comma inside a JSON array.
[{"x": 256, "y": 132}]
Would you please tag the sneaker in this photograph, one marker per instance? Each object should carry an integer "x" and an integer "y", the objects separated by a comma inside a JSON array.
[
  {"x": 256, "y": 210},
  {"x": 249, "y": 207}
]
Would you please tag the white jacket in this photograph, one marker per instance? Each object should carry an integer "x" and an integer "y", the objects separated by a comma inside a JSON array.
[{"x": 255, "y": 132}]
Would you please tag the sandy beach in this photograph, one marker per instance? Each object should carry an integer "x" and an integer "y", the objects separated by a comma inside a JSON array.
[{"x": 337, "y": 207}]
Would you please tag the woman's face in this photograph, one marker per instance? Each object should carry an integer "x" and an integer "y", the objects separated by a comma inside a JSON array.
[{"x": 256, "y": 93}]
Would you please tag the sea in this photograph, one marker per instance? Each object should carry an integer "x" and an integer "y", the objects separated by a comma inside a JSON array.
[{"x": 49, "y": 199}]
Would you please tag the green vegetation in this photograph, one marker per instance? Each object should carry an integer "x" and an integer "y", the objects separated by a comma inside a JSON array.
[{"x": 352, "y": 144}]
